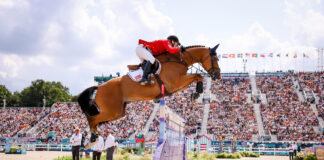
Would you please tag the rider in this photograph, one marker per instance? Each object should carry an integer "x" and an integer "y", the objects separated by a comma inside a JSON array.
[{"x": 147, "y": 50}]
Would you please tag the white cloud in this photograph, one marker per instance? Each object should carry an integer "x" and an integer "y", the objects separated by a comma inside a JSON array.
[
  {"x": 307, "y": 22},
  {"x": 10, "y": 66},
  {"x": 72, "y": 41},
  {"x": 13, "y": 3}
]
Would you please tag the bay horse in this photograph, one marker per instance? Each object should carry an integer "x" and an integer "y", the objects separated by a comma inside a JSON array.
[{"x": 110, "y": 100}]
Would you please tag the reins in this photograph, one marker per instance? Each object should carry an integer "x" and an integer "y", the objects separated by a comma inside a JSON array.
[
  {"x": 193, "y": 59},
  {"x": 180, "y": 59}
]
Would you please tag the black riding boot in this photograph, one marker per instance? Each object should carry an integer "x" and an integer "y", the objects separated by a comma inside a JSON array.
[{"x": 146, "y": 70}]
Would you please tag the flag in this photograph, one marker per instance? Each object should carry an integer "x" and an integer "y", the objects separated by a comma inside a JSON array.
[
  {"x": 254, "y": 55},
  {"x": 295, "y": 56},
  {"x": 287, "y": 55},
  {"x": 225, "y": 56},
  {"x": 247, "y": 54},
  {"x": 262, "y": 55},
  {"x": 240, "y": 55},
  {"x": 231, "y": 56},
  {"x": 278, "y": 55},
  {"x": 305, "y": 55},
  {"x": 270, "y": 55}
]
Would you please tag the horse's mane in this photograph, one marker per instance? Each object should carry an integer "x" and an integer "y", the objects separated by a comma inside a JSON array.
[{"x": 195, "y": 46}]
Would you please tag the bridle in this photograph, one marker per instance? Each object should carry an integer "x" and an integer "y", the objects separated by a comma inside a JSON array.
[{"x": 212, "y": 55}]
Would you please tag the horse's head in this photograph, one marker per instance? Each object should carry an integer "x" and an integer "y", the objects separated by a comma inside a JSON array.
[
  {"x": 214, "y": 70},
  {"x": 207, "y": 57}
]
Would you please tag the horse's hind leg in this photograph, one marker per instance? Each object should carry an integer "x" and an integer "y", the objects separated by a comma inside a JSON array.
[{"x": 109, "y": 111}]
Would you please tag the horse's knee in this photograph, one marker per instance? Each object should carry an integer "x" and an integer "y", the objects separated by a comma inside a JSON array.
[
  {"x": 194, "y": 96},
  {"x": 199, "y": 78}
]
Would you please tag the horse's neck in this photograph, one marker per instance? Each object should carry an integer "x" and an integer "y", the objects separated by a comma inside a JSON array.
[
  {"x": 188, "y": 58},
  {"x": 192, "y": 56},
  {"x": 164, "y": 58}
]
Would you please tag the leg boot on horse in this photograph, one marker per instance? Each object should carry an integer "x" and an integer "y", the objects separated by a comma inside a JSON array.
[{"x": 199, "y": 90}]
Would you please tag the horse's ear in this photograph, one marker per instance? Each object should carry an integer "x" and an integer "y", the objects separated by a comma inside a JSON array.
[{"x": 214, "y": 49}]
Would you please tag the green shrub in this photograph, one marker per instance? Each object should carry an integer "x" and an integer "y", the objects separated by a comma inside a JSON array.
[
  {"x": 221, "y": 155},
  {"x": 245, "y": 154},
  {"x": 203, "y": 154},
  {"x": 254, "y": 155},
  {"x": 310, "y": 156},
  {"x": 129, "y": 149},
  {"x": 122, "y": 151},
  {"x": 249, "y": 154},
  {"x": 237, "y": 155},
  {"x": 299, "y": 156},
  {"x": 195, "y": 155},
  {"x": 230, "y": 156}
]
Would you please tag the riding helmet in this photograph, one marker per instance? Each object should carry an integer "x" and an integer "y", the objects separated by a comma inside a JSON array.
[{"x": 173, "y": 38}]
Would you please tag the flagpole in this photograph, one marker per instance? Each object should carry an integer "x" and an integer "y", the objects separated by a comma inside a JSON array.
[
  {"x": 303, "y": 62},
  {"x": 295, "y": 56},
  {"x": 280, "y": 62}
]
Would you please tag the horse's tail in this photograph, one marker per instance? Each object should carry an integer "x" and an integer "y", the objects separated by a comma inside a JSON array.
[{"x": 88, "y": 106}]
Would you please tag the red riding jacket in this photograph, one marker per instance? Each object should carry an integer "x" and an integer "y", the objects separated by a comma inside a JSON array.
[{"x": 159, "y": 46}]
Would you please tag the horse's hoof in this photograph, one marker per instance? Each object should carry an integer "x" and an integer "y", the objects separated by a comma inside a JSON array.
[
  {"x": 194, "y": 96},
  {"x": 93, "y": 137},
  {"x": 156, "y": 101},
  {"x": 143, "y": 83}
]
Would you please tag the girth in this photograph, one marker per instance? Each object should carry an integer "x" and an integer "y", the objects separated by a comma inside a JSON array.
[{"x": 166, "y": 92}]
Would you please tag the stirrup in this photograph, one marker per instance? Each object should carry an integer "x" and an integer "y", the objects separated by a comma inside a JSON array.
[
  {"x": 143, "y": 83},
  {"x": 148, "y": 81}
]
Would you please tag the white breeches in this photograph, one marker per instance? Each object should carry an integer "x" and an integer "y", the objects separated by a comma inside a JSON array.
[{"x": 143, "y": 54}]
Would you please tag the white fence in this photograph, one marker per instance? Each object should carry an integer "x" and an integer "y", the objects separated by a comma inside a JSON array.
[{"x": 261, "y": 151}]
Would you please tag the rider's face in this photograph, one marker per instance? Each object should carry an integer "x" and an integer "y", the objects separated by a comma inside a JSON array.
[{"x": 174, "y": 44}]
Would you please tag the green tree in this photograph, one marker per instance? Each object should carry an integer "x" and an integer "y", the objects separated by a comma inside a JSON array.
[
  {"x": 57, "y": 95},
  {"x": 39, "y": 89},
  {"x": 74, "y": 98},
  {"x": 15, "y": 100},
  {"x": 4, "y": 93}
]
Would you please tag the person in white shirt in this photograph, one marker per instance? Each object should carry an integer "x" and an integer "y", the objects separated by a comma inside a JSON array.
[
  {"x": 98, "y": 147},
  {"x": 294, "y": 146},
  {"x": 110, "y": 146},
  {"x": 76, "y": 143}
]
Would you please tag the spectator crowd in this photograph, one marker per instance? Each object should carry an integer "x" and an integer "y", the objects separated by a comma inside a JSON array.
[
  {"x": 231, "y": 114},
  {"x": 285, "y": 115}
]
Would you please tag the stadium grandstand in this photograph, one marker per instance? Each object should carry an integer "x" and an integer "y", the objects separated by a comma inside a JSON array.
[{"x": 274, "y": 107}]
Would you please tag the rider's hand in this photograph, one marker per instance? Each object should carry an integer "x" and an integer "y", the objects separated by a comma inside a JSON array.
[{"x": 182, "y": 48}]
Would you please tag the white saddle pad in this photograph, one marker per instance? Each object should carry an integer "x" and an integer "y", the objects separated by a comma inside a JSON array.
[{"x": 136, "y": 75}]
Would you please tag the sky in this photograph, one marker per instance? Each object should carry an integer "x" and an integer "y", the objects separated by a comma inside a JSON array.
[{"x": 72, "y": 41}]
